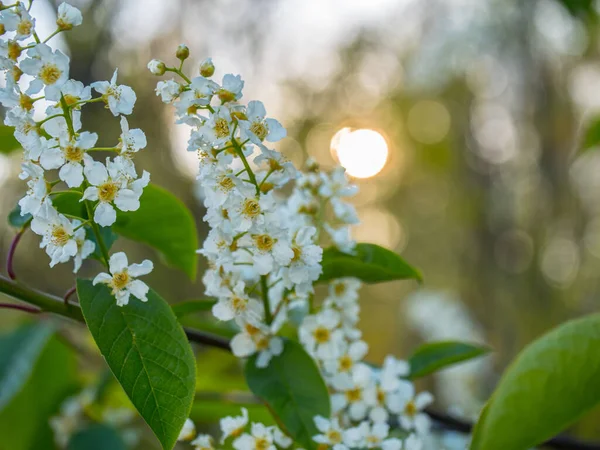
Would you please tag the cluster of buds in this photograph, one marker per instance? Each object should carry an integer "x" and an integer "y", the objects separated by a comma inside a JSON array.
[{"x": 45, "y": 108}]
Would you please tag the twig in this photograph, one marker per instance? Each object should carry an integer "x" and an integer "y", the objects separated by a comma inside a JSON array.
[
  {"x": 68, "y": 294},
  {"x": 559, "y": 442},
  {"x": 56, "y": 305},
  {"x": 11, "y": 254},
  {"x": 25, "y": 308}
]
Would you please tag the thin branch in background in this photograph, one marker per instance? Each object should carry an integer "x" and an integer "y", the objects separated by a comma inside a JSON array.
[
  {"x": 11, "y": 254},
  {"x": 24, "y": 308},
  {"x": 68, "y": 294}
]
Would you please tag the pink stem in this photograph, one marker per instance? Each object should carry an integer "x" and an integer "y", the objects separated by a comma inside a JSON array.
[
  {"x": 29, "y": 309},
  {"x": 68, "y": 294},
  {"x": 11, "y": 255}
]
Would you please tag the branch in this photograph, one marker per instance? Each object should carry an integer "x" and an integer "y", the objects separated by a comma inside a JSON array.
[{"x": 56, "y": 305}]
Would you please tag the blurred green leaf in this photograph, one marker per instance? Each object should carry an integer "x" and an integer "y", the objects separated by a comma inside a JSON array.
[
  {"x": 294, "y": 390},
  {"x": 8, "y": 143},
  {"x": 24, "y": 423},
  {"x": 19, "y": 352},
  {"x": 16, "y": 219},
  {"x": 370, "y": 263},
  {"x": 591, "y": 137},
  {"x": 164, "y": 223},
  {"x": 192, "y": 306},
  {"x": 551, "y": 383},
  {"x": 149, "y": 354},
  {"x": 97, "y": 437},
  {"x": 580, "y": 8},
  {"x": 68, "y": 203},
  {"x": 434, "y": 356}
]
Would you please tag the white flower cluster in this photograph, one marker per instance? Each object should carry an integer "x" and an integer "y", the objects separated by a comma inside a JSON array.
[
  {"x": 34, "y": 72},
  {"x": 360, "y": 394},
  {"x": 238, "y": 433},
  {"x": 82, "y": 409},
  {"x": 256, "y": 250},
  {"x": 263, "y": 246},
  {"x": 315, "y": 193}
]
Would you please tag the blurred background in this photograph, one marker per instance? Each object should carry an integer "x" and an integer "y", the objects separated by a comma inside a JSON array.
[{"x": 461, "y": 121}]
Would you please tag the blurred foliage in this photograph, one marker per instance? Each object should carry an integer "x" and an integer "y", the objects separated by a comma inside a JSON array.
[
  {"x": 481, "y": 104},
  {"x": 8, "y": 143},
  {"x": 24, "y": 422}
]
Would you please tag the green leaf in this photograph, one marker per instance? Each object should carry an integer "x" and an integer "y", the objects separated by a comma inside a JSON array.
[
  {"x": 108, "y": 237},
  {"x": 294, "y": 390},
  {"x": 16, "y": 219},
  {"x": 148, "y": 352},
  {"x": 591, "y": 136},
  {"x": 68, "y": 203},
  {"x": 164, "y": 223},
  {"x": 24, "y": 423},
  {"x": 551, "y": 383},
  {"x": 97, "y": 437},
  {"x": 434, "y": 356},
  {"x": 19, "y": 352},
  {"x": 8, "y": 143},
  {"x": 192, "y": 306},
  {"x": 370, "y": 263}
]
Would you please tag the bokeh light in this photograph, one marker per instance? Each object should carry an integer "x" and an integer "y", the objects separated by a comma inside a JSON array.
[{"x": 363, "y": 153}]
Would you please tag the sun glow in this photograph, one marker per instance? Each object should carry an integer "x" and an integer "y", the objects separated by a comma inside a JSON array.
[{"x": 363, "y": 153}]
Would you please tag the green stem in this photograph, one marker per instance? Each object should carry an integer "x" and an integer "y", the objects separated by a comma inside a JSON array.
[
  {"x": 85, "y": 222},
  {"x": 83, "y": 102},
  {"x": 67, "y": 114},
  {"x": 58, "y": 30},
  {"x": 65, "y": 191},
  {"x": 264, "y": 287},
  {"x": 96, "y": 231},
  {"x": 180, "y": 73},
  {"x": 49, "y": 118},
  {"x": 265, "y": 178},
  {"x": 240, "y": 153}
]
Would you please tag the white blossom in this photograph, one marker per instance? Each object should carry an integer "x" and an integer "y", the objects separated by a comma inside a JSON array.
[
  {"x": 203, "y": 442},
  {"x": 69, "y": 155},
  {"x": 168, "y": 90},
  {"x": 233, "y": 426},
  {"x": 122, "y": 278},
  {"x": 49, "y": 68},
  {"x": 38, "y": 188},
  {"x": 68, "y": 17},
  {"x": 257, "y": 128},
  {"x": 110, "y": 188},
  {"x": 120, "y": 99},
  {"x": 131, "y": 141},
  {"x": 58, "y": 236},
  {"x": 260, "y": 438},
  {"x": 231, "y": 88},
  {"x": 188, "y": 431}
]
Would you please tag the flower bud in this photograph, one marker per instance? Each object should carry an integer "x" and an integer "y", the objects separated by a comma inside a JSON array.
[
  {"x": 207, "y": 68},
  {"x": 157, "y": 67},
  {"x": 182, "y": 52}
]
